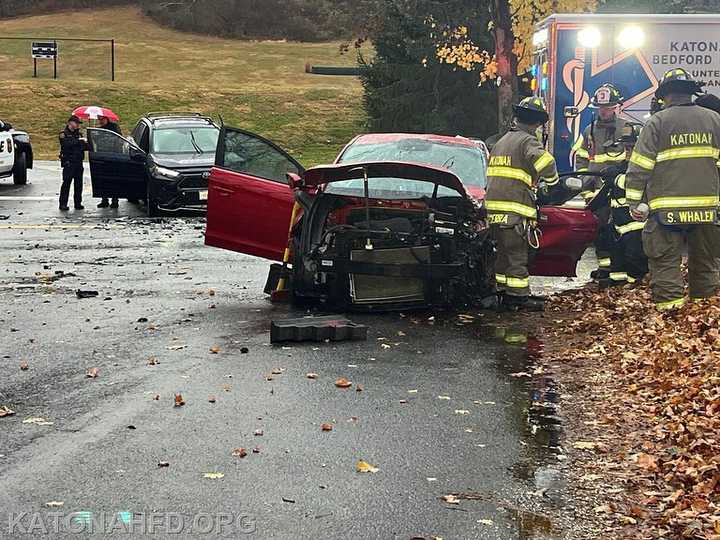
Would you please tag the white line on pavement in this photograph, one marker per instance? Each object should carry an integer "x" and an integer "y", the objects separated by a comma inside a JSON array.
[{"x": 18, "y": 198}]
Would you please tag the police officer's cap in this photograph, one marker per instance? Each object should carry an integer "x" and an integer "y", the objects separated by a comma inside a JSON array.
[
  {"x": 531, "y": 110},
  {"x": 606, "y": 96},
  {"x": 74, "y": 118},
  {"x": 677, "y": 81}
]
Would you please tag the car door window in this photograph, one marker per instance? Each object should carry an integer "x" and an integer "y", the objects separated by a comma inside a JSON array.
[
  {"x": 245, "y": 153},
  {"x": 102, "y": 140}
]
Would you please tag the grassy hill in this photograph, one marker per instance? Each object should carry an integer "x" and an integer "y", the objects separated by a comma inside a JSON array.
[{"x": 260, "y": 86}]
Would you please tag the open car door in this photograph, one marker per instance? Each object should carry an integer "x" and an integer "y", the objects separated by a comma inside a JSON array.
[
  {"x": 249, "y": 200},
  {"x": 566, "y": 234},
  {"x": 117, "y": 166}
]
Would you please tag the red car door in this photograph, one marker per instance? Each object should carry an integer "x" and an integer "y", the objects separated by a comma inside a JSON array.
[
  {"x": 249, "y": 200},
  {"x": 566, "y": 234}
]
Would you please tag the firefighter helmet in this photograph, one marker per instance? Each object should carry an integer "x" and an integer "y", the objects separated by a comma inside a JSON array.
[
  {"x": 606, "y": 96},
  {"x": 677, "y": 81},
  {"x": 531, "y": 110}
]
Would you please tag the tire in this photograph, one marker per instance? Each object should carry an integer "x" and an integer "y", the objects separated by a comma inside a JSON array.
[
  {"x": 20, "y": 169},
  {"x": 152, "y": 207}
]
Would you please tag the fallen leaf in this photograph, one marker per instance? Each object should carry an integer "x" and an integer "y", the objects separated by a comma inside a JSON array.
[
  {"x": 646, "y": 461},
  {"x": 444, "y": 397},
  {"x": 163, "y": 464},
  {"x": 179, "y": 401},
  {"x": 431, "y": 479},
  {"x": 37, "y": 421},
  {"x": 385, "y": 346},
  {"x": 326, "y": 427},
  {"x": 359, "y": 388},
  {"x": 583, "y": 445},
  {"x": 451, "y": 499},
  {"x": 211, "y": 292},
  {"x": 278, "y": 371},
  {"x": 54, "y": 504},
  {"x": 521, "y": 374},
  {"x": 215, "y": 349},
  {"x": 24, "y": 366},
  {"x": 311, "y": 375},
  {"x": 175, "y": 347},
  {"x": 412, "y": 391},
  {"x": 485, "y": 521},
  {"x": 5, "y": 411},
  {"x": 259, "y": 433},
  {"x": 212, "y": 399},
  {"x": 156, "y": 397},
  {"x": 602, "y": 509},
  {"x": 256, "y": 450},
  {"x": 226, "y": 387},
  {"x": 213, "y": 475},
  {"x": 365, "y": 467},
  {"x": 153, "y": 361},
  {"x": 343, "y": 383},
  {"x": 462, "y": 411},
  {"x": 239, "y": 453},
  {"x": 92, "y": 373},
  {"x": 288, "y": 500}
]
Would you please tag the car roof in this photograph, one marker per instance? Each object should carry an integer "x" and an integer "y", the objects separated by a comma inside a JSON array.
[
  {"x": 379, "y": 138},
  {"x": 174, "y": 120}
]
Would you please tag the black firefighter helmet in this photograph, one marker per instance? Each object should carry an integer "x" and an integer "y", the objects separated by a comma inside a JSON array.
[
  {"x": 677, "y": 81},
  {"x": 531, "y": 110}
]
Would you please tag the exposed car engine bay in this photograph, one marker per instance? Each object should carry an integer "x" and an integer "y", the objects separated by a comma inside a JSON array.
[{"x": 350, "y": 253}]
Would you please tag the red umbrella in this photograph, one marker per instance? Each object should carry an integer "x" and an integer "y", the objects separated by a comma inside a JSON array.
[{"x": 92, "y": 111}]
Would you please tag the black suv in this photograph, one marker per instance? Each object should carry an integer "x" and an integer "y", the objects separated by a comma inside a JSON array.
[{"x": 165, "y": 161}]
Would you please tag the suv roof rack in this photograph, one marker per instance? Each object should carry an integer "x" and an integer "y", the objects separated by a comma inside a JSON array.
[
  {"x": 172, "y": 113},
  {"x": 153, "y": 116}
]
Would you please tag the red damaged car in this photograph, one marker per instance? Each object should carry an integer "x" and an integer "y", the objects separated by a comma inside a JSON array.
[{"x": 396, "y": 222}]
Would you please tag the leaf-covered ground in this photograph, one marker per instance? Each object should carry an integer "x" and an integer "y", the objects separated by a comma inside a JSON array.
[{"x": 643, "y": 411}]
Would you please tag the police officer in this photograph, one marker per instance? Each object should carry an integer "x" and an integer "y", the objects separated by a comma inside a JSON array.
[
  {"x": 628, "y": 263},
  {"x": 674, "y": 170},
  {"x": 72, "y": 154},
  {"x": 105, "y": 123},
  {"x": 519, "y": 167},
  {"x": 595, "y": 150}
]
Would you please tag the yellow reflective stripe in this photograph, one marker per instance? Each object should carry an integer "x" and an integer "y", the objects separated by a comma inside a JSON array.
[
  {"x": 633, "y": 194},
  {"x": 604, "y": 158},
  {"x": 620, "y": 181},
  {"x": 670, "y": 304},
  {"x": 689, "y": 152},
  {"x": 543, "y": 161},
  {"x": 631, "y": 279},
  {"x": 552, "y": 181},
  {"x": 618, "y": 203},
  {"x": 578, "y": 144},
  {"x": 618, "y": 276},
  {"x": 589, "y": 194},
  {"x": 582, "y": 153},
  {"x": 510, "y": 172},
  {"x": 604, "y": 262},
  {"x": 515, "y": 338},
  {"x": 642, "y": 161},
  {"x": 584, "y": 169},
  {"x": 632, "y": 226},
  {"x": 501, "y": 278},
  {"x": 684, "y": 202},
  {"x": 509, "y": 206},
  {"x": 518, "y": 283}
]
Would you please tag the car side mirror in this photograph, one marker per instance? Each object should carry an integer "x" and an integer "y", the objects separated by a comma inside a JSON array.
[
  {"x": 294, "y": 180},
  {"x": 573, "y": 183},
  {"x": 137, "y": 155},
  {"x": 571, "y": 112}
]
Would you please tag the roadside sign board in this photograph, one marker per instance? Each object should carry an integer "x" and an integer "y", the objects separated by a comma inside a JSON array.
[{"x": 44, "y": 50}]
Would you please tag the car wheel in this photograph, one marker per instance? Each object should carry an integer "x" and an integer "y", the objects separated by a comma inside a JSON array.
[{"x": 20, "y": 169}]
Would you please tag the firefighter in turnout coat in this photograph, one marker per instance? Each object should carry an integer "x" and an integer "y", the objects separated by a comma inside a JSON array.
[
  {"x": 595, "y": 150},
  {"x": 674, "y": 170},
  {"x": 519, "y": 166}
]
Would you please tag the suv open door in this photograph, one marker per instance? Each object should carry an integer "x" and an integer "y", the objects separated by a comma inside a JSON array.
[
  {"x": 117, "y": 166},
  {"x": 249, "y": 200}
]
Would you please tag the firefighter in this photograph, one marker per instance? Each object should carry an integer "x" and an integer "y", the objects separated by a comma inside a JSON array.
[
  {"x": 628, "y": 263},
  {"x": 673, "y": 169},
  {"x": 595, "y": 150},
  {"x": 519, "y": 167},
  {"x": 105, "y": 123},
  {"x": 72, "y": 154}
]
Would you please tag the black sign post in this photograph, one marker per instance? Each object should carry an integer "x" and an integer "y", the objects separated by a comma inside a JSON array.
[{"x": 45, "y": 50}]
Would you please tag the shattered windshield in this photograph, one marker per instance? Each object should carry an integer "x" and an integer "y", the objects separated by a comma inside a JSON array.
[{"x": 468, "y": 164}]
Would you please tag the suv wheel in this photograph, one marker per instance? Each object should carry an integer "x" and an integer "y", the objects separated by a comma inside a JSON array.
[{"x": 20, "y": 169}]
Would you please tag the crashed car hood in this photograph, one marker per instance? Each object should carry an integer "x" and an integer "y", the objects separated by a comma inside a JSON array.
[
  {"x": 182, "y": 161},
  {"x": 325, "y": 174}
]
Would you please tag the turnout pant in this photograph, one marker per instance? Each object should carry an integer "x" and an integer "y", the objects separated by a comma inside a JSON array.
[
  {"x": 71, "y": 173},
  {"x": 664, "y": 248},
  {"x": 604, "y": 240},
  {"x": 511, "y": 261},
  {"x": 628, "y": 260}
]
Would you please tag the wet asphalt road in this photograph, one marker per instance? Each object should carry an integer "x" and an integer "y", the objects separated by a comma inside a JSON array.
[{"x": 440, "y": 411}]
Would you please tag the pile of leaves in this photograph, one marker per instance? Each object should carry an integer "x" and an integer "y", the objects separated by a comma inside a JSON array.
[{"x": 652, "y": 408}]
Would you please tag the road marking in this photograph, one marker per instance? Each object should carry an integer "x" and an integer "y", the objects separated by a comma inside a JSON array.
[
  {"x": 18, "y": 198},
  {"x": 66, "y": 226}
]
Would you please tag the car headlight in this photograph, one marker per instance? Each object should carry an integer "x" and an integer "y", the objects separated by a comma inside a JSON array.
[
  {"x": 22, "y": 137},
  {"x": 161, "y": 173}
]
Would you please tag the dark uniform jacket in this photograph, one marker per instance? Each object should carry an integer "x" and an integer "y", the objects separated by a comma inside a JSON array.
[
  {"x": 518, "y": 162},
  {"x": 674, "y": 166},
  {"x": 72, "y": 149},
  {"x": 112, "y": 126}
]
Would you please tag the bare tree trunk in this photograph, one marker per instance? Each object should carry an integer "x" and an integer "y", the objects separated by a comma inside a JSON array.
[{"x": 506, "y": 63}]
